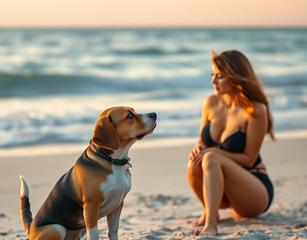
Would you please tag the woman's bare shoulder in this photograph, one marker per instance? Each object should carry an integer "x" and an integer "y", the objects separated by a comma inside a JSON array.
[
  {"x": 211, "y": 101},
  {"x": 260, "y": 110}
]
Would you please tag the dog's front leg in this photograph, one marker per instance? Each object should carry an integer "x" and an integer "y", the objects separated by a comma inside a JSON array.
[
  {"x": 113, "y": 222},
  {"x": 90, "y": 214}
]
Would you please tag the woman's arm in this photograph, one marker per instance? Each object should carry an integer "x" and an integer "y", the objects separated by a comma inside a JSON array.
[
  {"x": 203, "y": 120},
  {"x": 194, "y": 154},
  {"x": 255, "y": 132},
  {"x": 197, "y": 152}
]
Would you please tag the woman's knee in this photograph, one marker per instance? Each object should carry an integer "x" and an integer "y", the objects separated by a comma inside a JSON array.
[
  {"x": 210, "y": 160},
  {"x": 194, "y": 174},
  {"x": 193, "y": 168}
]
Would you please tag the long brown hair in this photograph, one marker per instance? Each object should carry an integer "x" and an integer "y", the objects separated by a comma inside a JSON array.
[{"x": 235, "y": 66}]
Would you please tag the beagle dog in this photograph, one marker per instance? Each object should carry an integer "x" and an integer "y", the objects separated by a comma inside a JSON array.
[{"x": 95, "y": 186}]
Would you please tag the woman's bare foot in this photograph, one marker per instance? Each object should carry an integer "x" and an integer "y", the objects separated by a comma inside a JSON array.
[
  {"x": 200, "y": 221},
  {"x": 208, "y": 231}
]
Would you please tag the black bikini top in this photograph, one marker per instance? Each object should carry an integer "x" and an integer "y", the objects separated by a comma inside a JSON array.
[{"x": 233, "y": 143}]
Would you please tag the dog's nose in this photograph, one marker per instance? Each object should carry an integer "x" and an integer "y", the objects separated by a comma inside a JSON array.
[{"x": 152, "y": 116}]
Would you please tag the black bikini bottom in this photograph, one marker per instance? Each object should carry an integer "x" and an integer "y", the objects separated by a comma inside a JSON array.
[{"x": 264, "y": 178}]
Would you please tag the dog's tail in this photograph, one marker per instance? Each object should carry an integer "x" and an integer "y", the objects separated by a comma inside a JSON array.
[{"x": 25, "y": 211}]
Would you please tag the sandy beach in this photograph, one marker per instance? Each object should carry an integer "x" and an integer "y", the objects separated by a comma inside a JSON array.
[{"x": 160, "y": 204}]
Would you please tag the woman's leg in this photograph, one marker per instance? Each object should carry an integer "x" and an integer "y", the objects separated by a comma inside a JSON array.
[
  {"x": 245, "y": 193},
  {"x": 195, "y": 180},
  {"x": 213, "y": 189}
]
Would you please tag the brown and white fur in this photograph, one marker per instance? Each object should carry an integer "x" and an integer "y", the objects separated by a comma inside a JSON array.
[{"x": 93, "y": 183}]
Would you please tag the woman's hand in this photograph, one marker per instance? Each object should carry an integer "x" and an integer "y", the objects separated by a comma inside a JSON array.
[{"x": 196, "y": 153}]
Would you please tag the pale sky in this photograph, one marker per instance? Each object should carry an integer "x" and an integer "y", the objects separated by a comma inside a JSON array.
[{"x": 152, "y": 13}]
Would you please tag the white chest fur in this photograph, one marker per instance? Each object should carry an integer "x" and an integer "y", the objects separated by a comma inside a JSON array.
[{"x": 115, "y": 189}]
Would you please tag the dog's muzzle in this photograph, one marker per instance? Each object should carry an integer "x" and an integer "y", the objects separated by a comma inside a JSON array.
[{"x": 153, "y": 117}]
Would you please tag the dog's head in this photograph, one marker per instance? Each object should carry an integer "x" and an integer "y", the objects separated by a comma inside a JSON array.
[{"x": 116, "y": 127}]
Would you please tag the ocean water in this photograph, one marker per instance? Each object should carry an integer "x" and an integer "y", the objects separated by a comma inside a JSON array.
[{"x": 54, "y": 82}]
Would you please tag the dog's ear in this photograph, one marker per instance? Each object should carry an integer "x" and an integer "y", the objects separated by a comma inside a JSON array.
[
  {"x": 106, "y": 112},
  {"x": 105, "y": 135}
]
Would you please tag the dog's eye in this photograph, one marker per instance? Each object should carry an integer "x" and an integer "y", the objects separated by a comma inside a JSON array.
[{"x": 131, "y": 116}]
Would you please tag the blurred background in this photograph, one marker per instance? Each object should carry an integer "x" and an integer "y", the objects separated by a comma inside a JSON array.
[{"x": 61, "y": 63}]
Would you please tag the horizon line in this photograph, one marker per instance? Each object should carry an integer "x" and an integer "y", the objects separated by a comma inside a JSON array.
[{"x": 158, "y": 27}]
